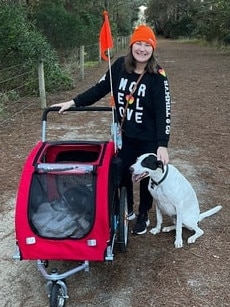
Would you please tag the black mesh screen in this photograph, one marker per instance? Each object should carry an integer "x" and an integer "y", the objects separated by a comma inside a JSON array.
[{"x": 62, "y": 205}]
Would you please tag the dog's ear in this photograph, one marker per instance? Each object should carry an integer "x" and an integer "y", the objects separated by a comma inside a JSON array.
[
  {"x": 160, "y": 165},
  {"x": 150, "y": 162}
]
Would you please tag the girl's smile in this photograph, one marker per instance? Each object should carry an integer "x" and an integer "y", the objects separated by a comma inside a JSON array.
[{"x": 142, "y": 51}]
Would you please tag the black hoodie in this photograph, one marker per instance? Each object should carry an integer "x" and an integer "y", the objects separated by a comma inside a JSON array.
[{"x": 148, "y": 117}]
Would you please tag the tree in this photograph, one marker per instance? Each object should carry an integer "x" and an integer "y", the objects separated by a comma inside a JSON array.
[
  {"x": 171, "y": 18},
  {"x": 22, "y": 43},
  {"x": 208, "y": 19}
]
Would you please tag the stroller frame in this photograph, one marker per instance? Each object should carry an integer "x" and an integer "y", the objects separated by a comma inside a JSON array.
[{"x": 44, "y": 162}]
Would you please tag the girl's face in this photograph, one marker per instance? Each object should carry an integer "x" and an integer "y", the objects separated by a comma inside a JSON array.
[{"x": 142, "y": 51}]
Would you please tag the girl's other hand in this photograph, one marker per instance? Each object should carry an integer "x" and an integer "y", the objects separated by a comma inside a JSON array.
[{"x": 162, "y": 155}]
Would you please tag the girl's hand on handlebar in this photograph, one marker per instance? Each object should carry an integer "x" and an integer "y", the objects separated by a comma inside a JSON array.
[{"x": 64, "y": 105}]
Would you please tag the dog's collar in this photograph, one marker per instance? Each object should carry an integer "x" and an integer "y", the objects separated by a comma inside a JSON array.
[{"x": 162, "y": 179}]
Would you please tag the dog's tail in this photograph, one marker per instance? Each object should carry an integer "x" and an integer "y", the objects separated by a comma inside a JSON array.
[{"x": 209, "y": 212}]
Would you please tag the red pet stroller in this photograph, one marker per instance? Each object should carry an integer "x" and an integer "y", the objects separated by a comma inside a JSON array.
[{"x": 70, "y": 206}]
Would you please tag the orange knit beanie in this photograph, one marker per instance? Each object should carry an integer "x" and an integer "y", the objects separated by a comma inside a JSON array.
[{"x": 144, "y": 34}]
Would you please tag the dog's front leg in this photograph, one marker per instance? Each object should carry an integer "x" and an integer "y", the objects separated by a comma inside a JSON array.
[
  {"x": 178, "y": 242},
  {"x": 157, "y": 229}
]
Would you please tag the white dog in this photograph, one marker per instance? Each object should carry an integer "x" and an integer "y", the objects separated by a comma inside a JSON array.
[{"x": 174, "y": 196}]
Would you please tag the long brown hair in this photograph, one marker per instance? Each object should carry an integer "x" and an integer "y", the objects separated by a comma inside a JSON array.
[{"x": 130, "y": 63}]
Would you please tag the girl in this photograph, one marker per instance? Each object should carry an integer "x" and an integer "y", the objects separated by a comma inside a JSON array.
[{"x": 142, "y": 100}]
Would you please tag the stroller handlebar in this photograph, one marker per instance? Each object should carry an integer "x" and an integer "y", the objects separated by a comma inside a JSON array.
[{"x": 72, "y": 109}]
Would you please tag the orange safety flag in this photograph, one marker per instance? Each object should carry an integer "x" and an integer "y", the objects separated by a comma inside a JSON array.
[{"x": 105, "y": 38}]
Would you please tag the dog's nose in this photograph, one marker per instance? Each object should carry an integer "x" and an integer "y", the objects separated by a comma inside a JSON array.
[{"x": 131, "y": 169}]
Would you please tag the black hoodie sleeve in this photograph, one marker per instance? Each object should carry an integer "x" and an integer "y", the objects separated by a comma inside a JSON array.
[
  {"x": 95, "y": 93},
  {"x": 100, "y": 89},
  {"x": 162, "y": 109}
]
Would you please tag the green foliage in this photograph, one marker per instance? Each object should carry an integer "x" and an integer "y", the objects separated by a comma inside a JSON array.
[
  {"x": 46, "y": 30},
  {"x": 5, "y": 97},
  {"x": 9, "y": 96},
  {"x": 69, "y": 24},
  {"x": 56, "y": 78},
  {"x": 66, "y": 25},
  {"x": 19, "y": 38},
  {"x": 208, "y": 19},
  {"x": 60, "y": 27},
  {"x": 22, "y": 43}
]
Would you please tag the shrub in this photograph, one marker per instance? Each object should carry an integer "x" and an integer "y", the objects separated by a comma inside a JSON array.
[{"x": 22, "y": 43}]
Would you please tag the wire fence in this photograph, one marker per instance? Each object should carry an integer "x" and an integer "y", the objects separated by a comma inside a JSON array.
[{"x": 18, "y": 83}]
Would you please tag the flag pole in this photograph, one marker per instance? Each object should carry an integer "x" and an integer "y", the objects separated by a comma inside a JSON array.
[
  {"x": 106, "y": 42},
  {"x": 110, "y": 73},
  {"x": 114, "y": 122}
]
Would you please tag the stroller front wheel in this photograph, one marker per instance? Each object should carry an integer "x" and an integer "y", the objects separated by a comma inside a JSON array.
[{"x": 57, "y": 295}]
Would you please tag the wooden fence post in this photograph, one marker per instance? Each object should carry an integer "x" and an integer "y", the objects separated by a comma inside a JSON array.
[
  {"x": 41, "y": 80},
  {"x": 117, "y": 44},
  {"x": 82, "y": 62},
  {"x": 99, "y": 54}
]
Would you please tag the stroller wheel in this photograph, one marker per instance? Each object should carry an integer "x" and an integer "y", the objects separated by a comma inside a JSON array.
[
  {"x": 123, "y": 225},
  {"x": 57, "y": 295}
]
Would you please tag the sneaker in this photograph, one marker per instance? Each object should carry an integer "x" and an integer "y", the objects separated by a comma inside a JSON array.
[
  {"x": 141, "y": 225},
  {"x": 131, "y": 216}
]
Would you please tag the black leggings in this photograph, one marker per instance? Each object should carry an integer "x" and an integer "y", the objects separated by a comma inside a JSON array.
[{"x": 131, "y": 149}]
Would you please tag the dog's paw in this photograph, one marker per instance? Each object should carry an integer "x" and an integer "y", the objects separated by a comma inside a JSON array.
[
  {"x": 155, "y": 230},
  {"x": 168, "y": 228},
  {"x": 178, "y": 243},
  {"x": 199, "y": 232},
  {"x": 192, "y": 239}
]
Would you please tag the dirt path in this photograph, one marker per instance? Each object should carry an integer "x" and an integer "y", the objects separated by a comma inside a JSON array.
[{"x": 152, "y": 272}]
